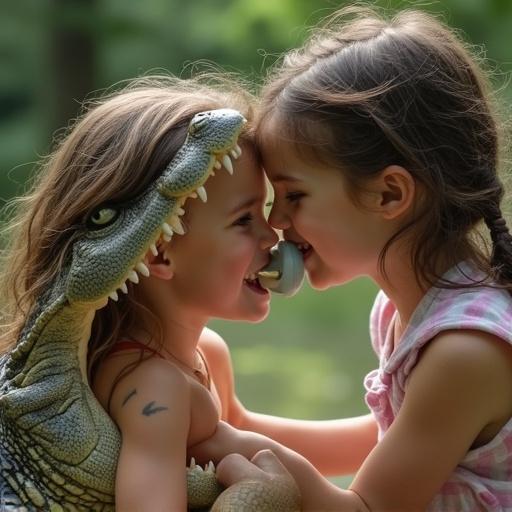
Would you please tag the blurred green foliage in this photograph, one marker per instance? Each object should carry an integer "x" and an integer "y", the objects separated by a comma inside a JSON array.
[{"x": 308, "y": 359}]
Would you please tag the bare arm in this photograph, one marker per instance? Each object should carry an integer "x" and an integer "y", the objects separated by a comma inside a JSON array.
[
  {"x": 151, "y": 407},
  {"x": 461, "y": 387},
  {"x": 334, "y": 446}
]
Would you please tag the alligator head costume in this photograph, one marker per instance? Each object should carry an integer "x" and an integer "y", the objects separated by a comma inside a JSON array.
[{"x": 58, "y": 448}]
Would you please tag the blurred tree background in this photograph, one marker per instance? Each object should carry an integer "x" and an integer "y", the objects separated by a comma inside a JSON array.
[{"x": 309, "y": 358}]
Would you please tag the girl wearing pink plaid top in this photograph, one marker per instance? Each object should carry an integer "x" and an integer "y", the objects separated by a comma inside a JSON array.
[{"x": 380, "y": 142}]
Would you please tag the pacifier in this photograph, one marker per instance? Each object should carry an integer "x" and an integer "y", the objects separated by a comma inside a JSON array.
[{"x": 285, "y": 272}]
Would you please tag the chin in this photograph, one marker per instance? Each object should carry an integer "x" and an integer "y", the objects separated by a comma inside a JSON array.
[
  {"x": 319, "y": 283},
  {"x": 252, "y": 317},
  {"x": 256, "y": 317}
]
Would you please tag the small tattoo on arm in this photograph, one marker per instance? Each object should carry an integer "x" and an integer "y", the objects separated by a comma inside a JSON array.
[
  {"x": 150, "y": 409},
  {"x": 133, "y": 392}
]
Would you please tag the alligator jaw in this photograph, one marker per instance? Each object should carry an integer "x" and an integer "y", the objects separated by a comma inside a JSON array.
[
  {"x": 153, "y": 217},
  {"x": 58, "y": 447}
]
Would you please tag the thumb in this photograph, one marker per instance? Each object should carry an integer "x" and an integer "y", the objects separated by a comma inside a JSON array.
[
  {"x": 262, "y": 485},
  {"x": 235, "y": 467},
  {"x": 268, "y": 462}
]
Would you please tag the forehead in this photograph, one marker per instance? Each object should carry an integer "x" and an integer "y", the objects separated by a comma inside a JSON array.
[
  {"x": 293, "y": 145},
  {"x": 280, "y": 159},
  {"x": 225, "y": 190}
]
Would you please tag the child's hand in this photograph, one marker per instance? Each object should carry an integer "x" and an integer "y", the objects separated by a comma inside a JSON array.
[
  {"x": 223, "y": 441},
  {"x": 226, "y": 440},
  {"x": 263, "y": 478}
]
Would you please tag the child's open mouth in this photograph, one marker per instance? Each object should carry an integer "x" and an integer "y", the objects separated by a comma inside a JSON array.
[
  {"x": 305, "y": 249},
  {"x": 253, "y": 283}
]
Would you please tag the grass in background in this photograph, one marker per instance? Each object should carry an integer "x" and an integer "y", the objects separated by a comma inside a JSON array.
[{"x": 309, "y": 358}]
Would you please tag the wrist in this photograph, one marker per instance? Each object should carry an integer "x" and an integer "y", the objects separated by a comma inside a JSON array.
[{"x": 250, "y": 443}]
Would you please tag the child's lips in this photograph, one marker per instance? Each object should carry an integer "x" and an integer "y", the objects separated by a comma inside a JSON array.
[
  {"x": 255, "y": 286},
  {"x": 305, "y": 248},
  {"x": 253, "y": 283}
]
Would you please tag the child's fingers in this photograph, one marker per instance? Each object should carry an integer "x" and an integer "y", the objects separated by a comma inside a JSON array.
[
  {"x": 235, "y": 467},
  {"x": 262, "y": 466},
  {"x": 262, "y": 484},
  {"x": 269, "y": 463}
]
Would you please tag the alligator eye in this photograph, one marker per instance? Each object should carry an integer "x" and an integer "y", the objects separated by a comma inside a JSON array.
[
  {"x": 197, "y": 124},
  {"x": 102, "y": 217}
]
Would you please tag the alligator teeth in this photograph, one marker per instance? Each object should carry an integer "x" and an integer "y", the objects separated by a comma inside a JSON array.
[
  {"x": 167, "y": 229},
  {"x": 176, "y": 225},
  {"x": 217, "y": 165},
  {"x": 124, "y": 288},
  {"x": 113, "y": 295},
  {"x": 211, "y": 467},
  {"x": 201, "y": 191},
  {"x": 192, "y": 463},
  {"x": 227, "y": 164},
  {"x": 167, "y": 238},
  {"x": 141, "y": 267},
  {"x": 238, "y": 149},
  {"x": 133, "y": 277},
  {"x": 153, "y": 249},
  {"x": 233, "y": 153},
  {"x": 180, "y": 211},
  {"x": 193, "y": 195}
]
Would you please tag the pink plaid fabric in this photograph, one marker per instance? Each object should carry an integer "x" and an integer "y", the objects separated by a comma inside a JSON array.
[{"x": 483, "y": 479}]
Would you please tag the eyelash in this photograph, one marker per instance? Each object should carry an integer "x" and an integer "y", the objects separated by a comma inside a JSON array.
[
  {"x": 294, "y": 196},
  {"x": 244, "y": 220}
]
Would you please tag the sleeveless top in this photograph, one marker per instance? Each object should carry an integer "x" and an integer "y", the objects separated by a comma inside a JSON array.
[{"x": 483, "y": 479}]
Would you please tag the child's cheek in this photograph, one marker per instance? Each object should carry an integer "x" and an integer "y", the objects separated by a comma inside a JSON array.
[
  {"x": 307, "y": 226},
  {"x": 241, "y": 254}
]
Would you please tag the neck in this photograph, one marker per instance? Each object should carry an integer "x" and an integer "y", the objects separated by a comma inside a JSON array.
[
  {"x": 181, "y": 328},
  {"x": 402, "y": 287}
]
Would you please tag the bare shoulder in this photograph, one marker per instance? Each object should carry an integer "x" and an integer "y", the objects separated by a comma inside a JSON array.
[
  {"x": 477, "y": 362},
  {"x": 220, "y": 365},
  {"x": 152, "y": 408},
  {"x": 150, "y": 380},
  {"x": 457, "y": 397},
  {"x": 214, "y": 347},
  {"x": 469, "y": 352}
]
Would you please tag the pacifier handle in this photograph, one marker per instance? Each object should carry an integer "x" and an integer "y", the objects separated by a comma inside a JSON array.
[{"x": 285, "y": 272}]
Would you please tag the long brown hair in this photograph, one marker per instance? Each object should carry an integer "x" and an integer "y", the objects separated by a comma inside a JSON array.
[
  {"x": 120, "y": 145},
  {"x": 366, "y": 92}
]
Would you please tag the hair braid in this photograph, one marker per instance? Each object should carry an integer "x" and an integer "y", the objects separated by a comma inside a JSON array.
[{"x": 501, "y": 256}]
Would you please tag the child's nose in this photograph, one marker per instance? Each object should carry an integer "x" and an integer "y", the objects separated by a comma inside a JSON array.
[
  {"x": 278, "y": 219},
  {"x": 269, "y": 237}
]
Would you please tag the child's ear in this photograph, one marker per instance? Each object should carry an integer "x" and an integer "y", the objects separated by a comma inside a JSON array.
[
  {"x": 396, "y": 190},
  {"x": 160, "y": 265}
]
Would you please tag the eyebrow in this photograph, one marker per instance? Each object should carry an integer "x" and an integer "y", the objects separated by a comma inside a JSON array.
[
  {"x": 244, "y": 205},
  {"x": 284, "y": 177}
]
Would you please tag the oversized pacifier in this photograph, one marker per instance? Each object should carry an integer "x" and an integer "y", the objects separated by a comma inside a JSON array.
[{"x": 285, "y": 272}]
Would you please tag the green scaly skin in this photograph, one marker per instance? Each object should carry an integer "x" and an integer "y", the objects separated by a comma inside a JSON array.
[{"x": 58, "y": 448}]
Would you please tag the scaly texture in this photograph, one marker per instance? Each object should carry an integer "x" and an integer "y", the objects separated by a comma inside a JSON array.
[{"x": 58, "y": 448}]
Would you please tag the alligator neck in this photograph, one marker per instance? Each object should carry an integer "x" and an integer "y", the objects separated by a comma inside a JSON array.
[
  {"x": 56, "y": 442},
  {"x": 66, "y": 337},
  {"x": 59, "y": 335}
]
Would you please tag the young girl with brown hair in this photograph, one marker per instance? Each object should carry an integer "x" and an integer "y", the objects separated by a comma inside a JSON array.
[
  {"x": 162, "y": 376},
  {"x": 381, "y": 144}
]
